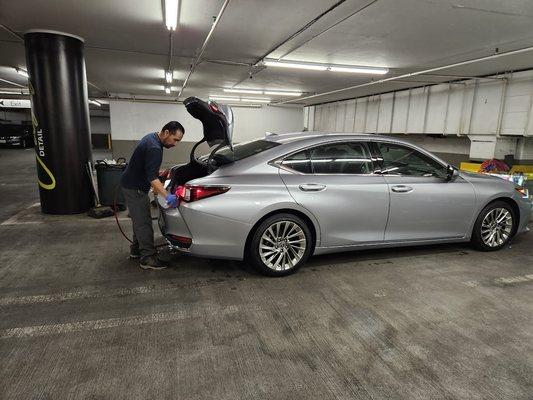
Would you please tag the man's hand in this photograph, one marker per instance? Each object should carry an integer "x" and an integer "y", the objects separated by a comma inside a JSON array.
[{"x": 172, "y": 200}]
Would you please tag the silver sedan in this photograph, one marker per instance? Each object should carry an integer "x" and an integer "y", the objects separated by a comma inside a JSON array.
[{"x": 276, "y": 201}]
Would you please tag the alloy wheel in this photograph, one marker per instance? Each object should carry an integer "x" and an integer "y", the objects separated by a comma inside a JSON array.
[
  {"x": 282, "y": 245},
  {"x": 496, "y": 227}
]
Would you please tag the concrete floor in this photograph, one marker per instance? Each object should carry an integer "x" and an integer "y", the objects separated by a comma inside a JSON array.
[{"x": 80, "y": 320}]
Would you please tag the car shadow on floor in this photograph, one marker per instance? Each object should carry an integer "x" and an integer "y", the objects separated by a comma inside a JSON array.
[{"x": 231, "y": 268}]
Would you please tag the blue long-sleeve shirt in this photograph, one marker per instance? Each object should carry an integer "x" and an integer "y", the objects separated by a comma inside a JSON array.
[{"x": 144, "y": 164}]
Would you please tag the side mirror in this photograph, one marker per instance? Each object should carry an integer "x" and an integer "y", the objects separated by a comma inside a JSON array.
[{"x": 451, "y": 173}]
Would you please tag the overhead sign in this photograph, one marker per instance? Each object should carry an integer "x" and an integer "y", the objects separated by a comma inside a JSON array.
[{"x": 15, "y": 103}]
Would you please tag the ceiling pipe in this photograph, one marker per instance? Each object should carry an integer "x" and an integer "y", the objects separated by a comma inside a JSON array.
[
  {"x": 226, "y": 62},
  {"x": 452, "y": 77},
  {"x": 327, "y": 29},
  {"x": 300, "y": 31},
  {"x": 206, "y": 41},
  {"x": 292, "y": 36},
  {"x": 13, "y": 83},
  {"x": 427, "y": 71},
  {"x": 12, "y": 32}
]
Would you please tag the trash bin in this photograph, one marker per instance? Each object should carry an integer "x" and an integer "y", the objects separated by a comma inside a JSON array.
[{"x": 108, "y": 176}]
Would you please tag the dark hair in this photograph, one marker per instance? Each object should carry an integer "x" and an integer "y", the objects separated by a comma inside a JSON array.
[{"x": 172, "y": 127}]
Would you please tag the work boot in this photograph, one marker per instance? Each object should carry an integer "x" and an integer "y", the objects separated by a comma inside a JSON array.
[
  {"x": 152, "y": 262},
  {"x": 135, "y": 252}
]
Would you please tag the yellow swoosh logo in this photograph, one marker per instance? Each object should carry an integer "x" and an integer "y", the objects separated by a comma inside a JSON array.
[{"x": 49, "y": 186}]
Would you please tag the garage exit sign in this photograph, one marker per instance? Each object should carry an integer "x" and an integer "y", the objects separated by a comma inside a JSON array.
[{"x": 14, "y": 103}]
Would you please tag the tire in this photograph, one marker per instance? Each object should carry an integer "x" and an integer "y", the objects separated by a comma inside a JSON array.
[
  {"x": 283, "y": 258},
  {"x": 489, "y": 234}
]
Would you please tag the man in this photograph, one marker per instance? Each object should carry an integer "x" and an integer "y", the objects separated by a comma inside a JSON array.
[{"x": 141, "y": 174}]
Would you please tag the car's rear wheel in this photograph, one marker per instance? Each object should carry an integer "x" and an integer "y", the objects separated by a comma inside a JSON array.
[
  {"x": 280, "y": 245},
  {"x": 494, "y": 227}
]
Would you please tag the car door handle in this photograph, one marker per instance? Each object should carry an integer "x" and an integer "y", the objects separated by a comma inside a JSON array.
[
  {"x": 402, "y": 189},
  {"x": 312, "y": 187}
]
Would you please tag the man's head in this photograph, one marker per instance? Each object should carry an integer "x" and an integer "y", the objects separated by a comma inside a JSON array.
[{"x": 171, "y": 134}]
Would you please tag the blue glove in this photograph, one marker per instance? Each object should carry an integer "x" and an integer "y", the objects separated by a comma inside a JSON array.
[{"x": 172, "y": 200}]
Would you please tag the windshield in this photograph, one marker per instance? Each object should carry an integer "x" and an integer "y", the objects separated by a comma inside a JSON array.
[{"x": 242, "y": 150}]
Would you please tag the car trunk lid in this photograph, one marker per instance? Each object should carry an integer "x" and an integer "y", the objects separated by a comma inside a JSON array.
[{"x": 217, "y": 121}]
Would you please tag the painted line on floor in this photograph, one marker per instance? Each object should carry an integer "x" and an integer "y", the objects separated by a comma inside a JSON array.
[
  {"x": 100, "y": 324},
  {"x": 515, "y": 279},
  {"x": 104, "y": 293},
  {"x": 502, "y": 281},
  {"x": 14, "y": 220},
  {"x": 85, "y": 294}
]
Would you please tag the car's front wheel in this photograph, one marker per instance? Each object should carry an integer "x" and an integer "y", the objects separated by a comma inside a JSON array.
[
  {"x": 494, "y": 227},
  {"x": 280, "y": 245}
]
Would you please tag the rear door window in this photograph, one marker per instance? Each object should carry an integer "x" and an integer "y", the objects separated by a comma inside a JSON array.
[
  {"x": 332, "y": 158},
  {"x": 341, "y": 158}
]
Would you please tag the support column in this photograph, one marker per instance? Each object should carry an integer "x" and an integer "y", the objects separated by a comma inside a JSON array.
[{"x": 60, "y": 115}]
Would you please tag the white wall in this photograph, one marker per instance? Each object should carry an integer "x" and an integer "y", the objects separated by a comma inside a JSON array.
[
  {"x": 475, "y": 107},
  {"x": 133, "y": 120},
  {"x": 495, "y": 114}
]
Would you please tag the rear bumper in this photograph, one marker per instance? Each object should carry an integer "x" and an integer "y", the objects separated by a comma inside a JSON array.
[{"x": 212, "y": 236}]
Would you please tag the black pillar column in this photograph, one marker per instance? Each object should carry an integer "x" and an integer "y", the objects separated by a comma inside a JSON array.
[{"x": 60, "y": 114}]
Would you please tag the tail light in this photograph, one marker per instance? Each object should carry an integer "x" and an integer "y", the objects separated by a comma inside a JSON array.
[{"x": 190, "y": 193}]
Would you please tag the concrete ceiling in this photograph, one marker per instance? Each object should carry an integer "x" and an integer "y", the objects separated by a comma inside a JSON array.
[{"x": 127, "y": 43}]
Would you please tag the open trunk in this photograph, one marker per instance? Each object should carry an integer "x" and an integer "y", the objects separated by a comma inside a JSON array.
[{"x": 217, "y": 122}]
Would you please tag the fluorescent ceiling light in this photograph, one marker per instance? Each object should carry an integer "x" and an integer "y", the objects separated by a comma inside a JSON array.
[
  {"x": 360, "y": 70},
  {"x": 171, "y": 14},
  {"x": 297, "y": 65},
  {"x": 20, "y": 71},
  {"x": 326, "y": 67},
  {"x": 167, "y": 90},
  {"x": 278, "y": 93},
  {"x": 261, "y": 91},
  {"x": 256, "y": 100},
  {"x": 168, "y": 76},
  {"x": 221, "y": 98},
  {"x": 248, "y": 105},
  {"x": 95, "y": 102},
  {"x": 249, "y": 91}
]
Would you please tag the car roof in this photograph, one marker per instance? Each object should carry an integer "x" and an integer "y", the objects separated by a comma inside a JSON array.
[{"x": 309, "y": 137}]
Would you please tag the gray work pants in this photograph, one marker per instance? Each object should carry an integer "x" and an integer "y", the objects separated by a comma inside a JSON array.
[{"x": 143, "y": 232}]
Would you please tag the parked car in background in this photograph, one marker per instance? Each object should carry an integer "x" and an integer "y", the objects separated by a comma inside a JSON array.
[
  {"x": 13, "y": 135},
  {"x": 276, "y": 201}
]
